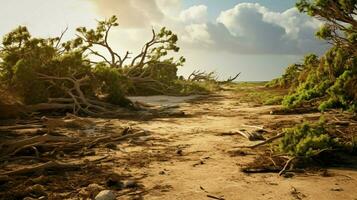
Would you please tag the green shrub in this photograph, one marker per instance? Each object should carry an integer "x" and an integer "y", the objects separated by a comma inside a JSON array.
[
  {"x": 112, "y": 84},
  {"x": 305, "y": 140},
  {"x": 274, "y": 100}
]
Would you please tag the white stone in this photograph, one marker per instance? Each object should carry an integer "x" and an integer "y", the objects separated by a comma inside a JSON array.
[{"x": 105, "y": 195}]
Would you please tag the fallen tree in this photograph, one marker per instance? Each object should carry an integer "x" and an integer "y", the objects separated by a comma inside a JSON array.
[
  {"x": 198, "y": 76},
  {"x": 51, "y": 75}
]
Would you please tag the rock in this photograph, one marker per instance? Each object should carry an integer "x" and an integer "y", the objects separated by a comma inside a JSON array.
[
  {"x": 131, "y": 184},
  {"x": 29, "y": 198},
  {"x": 83, "y": 193},
  {"x": 93, "y": 189},
  {"x": 288, "y": 175},
  {"x": 105, "y": 195},
  {"x": 179, "y": 152},
  {"x": 40, "y": 180},
  {"x": 337, "y": 189},
  {"x": 114, "y": 182},
  {"x": 111, "y": 146},
  {"x": 37, "y": 190}
]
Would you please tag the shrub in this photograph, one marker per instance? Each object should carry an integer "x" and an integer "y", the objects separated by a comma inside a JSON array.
[{"x": 305, "y": 140}]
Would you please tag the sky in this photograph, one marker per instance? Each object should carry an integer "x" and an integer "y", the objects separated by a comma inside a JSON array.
[{"x": 258, "y": 38}]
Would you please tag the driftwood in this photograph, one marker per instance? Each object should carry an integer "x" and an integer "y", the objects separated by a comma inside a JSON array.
[
  {"x": 112, "y": 138},
  {"x": 78, "y": 102},
  {"x": 26, "y": 126},
  {"x": 287, "y": 164},
  {"x": 16, "y": 146},
  {"x": 51, "y": 165},
  {"x": 214, "y": 197},
  {"x": 230, "y": 79},
  {"x": 252, "y": 136},
  {"x": 280, "y": 135},
  {"x": 198, "y": 75}
]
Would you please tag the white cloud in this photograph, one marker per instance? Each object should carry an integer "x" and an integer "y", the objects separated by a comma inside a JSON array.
[
  {"x": 131, "y": 13},
  {"x": 197, "y": 33},
  {"x": 249, "y": 28},
  {"x": 194, "y": 14},
  {"x": 170, "y": 8},
  {"x": 46, "y": 18}
]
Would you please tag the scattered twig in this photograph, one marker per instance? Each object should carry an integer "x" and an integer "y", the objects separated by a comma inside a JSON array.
[
  {"x": 42, "y": 167},
  {"x": 286, "y": 165},
  {"x": 265, "y": 142},
  {"x": 214, "y": 197}
]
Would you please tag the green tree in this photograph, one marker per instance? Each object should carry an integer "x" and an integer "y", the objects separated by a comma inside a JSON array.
[{"x": 339, "y": 17}]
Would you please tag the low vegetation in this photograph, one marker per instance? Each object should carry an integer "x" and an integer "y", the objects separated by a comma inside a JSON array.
[
  {"x": 87, "y": 76},
  {"x": 329, "y": 81}
]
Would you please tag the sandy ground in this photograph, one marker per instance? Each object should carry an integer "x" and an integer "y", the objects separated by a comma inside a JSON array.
[{"x": 188, "y": 158}]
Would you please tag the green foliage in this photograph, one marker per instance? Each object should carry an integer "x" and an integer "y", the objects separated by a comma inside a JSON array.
[
  {"x": 305, "y": 140},
  {"x": 112, "y": 84},
  {"x": 276, "y": 100},
  {"x": 288, "y": 79},
  {"x": 42, "y": 68},
  {"x": 329, "y": 81},
  {"x": 342, "y": 93},
  {"x": 184, "y": 87},
  {"x": 340, "y": 24}
]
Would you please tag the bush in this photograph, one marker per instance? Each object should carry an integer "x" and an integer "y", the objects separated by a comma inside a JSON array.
[
  {"x": 305, "y": 140},
  {"x": 328, "y": 82},
  {"x": 274, "y": 101},
  {"x": 112, "y": 84}
]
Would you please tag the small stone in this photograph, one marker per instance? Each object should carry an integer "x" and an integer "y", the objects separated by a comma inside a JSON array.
[
  {"x": 115, "y": 183},
  {"x": 111, "y": 146},
  {"x": 161, "y": 172},
  {"x": 179, "y": 152},
  {"x": 131, "y": 184},
  {"x": 93, "y": 189},
  {"x": 39, "y": 180},
  {"x": 105, "y": 195},
  {"x": 83, "y": 193},
  {"x": 288, "y": 175},
  {"x": 37, "y": 190},
  {"x": 336, "y": 189}
]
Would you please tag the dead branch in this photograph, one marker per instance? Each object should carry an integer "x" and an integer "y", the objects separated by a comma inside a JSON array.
[
  {"x": 60, "y": 37},
  {"x": 112, "y": 138},
  {"x": 231, "y": 79},
  {"x": 77, "y": 102},
  {"x": 214, "y": 197},
  {"x": 51, "y": 165},
  {"x": 265, "y": 142},
  {"x": 252, "y": 136},
  {"x": 198, "y": 75},
  {"x": 26, "y": 126},
  {"x": 143, "y": 54},
  {"x": 15, "y": 146},
  {"x": 286, "y": 165}
]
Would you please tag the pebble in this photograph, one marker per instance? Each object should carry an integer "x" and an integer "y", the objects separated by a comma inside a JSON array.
[
  {"x": 130, "y": 184},
  {"x": 105, "y": 195},
  {"x": 336, "y": 189}
]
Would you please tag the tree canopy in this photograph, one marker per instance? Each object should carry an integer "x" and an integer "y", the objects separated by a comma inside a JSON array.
[{"x": 329, "y": 81}]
